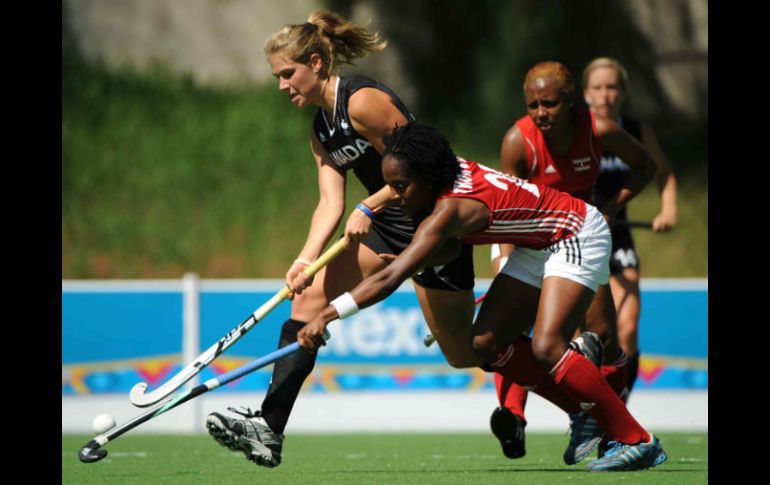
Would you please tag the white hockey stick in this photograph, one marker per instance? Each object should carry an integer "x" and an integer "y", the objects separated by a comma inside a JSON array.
[
  {"x": 140, "y": 398},
  {"x": 94, "y": 451}
]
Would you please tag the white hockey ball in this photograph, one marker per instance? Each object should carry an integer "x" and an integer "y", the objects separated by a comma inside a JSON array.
[{"x": 103, "y": 423}]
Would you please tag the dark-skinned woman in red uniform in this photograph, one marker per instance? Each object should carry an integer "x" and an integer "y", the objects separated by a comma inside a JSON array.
[
  {"x": 562, "y": 257},
  {"x": 559, "y": 144}
]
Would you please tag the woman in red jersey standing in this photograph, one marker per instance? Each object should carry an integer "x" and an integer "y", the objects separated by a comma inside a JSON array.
[{"x": 559, "y": 144}]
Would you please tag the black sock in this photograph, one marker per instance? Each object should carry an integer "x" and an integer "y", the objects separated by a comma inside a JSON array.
[
  {"x": 288, "y": 375},
  {"x": 633, "y": 370}
]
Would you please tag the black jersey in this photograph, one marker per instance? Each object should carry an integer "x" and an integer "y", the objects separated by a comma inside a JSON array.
[
  {"x": 613, "y": 171},
  {"x": 392, "y": 230},
  {"x": 346, "y": 147},
  {"x": 349, "y": 150}
]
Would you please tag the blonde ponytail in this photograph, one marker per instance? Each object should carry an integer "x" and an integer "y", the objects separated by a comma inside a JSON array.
[{"x": 335, "y": 39}]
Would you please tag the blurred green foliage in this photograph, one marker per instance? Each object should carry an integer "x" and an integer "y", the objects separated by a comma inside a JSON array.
[
  {"x": 468, "y": 64},
  {"x": 160, "y": 177}
]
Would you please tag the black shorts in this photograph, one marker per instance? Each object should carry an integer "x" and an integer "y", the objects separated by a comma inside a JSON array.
[
  {"x": 392, "y": 232},
  {"x": 623, "y": 250}
]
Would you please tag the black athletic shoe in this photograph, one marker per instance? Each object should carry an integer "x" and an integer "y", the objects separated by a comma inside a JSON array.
[
  {"x": 590, "y": 345},
  {"x": 509, "y": 429}
]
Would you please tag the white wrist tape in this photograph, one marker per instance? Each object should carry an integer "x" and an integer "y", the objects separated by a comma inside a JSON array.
[
  {"x": 494, "y": 252},
  {"x": 345, "y": 305}
]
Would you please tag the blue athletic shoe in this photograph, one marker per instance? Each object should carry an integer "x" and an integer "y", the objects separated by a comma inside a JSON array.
[{"x": 624, "y": 457}]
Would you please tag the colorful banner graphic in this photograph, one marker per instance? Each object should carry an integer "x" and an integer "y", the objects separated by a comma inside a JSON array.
[{"x": 113, "y": 339}]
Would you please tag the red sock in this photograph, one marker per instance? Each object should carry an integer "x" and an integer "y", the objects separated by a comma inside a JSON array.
[
  {"x": 511, "y": 395},
  {"x": 582, "y": 380},
  {"x": 616, "y": 375},
  {"x": 523, "y": 369}
]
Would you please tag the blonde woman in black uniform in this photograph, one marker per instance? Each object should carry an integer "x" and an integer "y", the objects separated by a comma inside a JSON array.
[
  {"x": 354, "y": 114},
  {"x": 605, "y": 88}
]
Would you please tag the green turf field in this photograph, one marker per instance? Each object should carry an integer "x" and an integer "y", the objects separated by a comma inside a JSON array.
[{"x": 368, "y": 459}]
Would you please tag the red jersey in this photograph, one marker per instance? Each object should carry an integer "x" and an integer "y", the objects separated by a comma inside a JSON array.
[
  {"x": 576, "y": 173},
  {"x": 521, "y": 213}
]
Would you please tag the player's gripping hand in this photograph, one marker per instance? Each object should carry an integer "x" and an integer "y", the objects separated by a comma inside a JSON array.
[
  {"x": 663, "y": 222},
  {"x": 357, "y": 226},
  {"x": 296, "y": 279},
  {"x": 311, "y": 336}
]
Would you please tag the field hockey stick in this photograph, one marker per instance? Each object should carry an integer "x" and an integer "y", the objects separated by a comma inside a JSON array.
[
  {"x": 93, "y": 451},
  {"x": 141, "y": 399},
  {"x": 429, "y": 338},
  {"x": 634, "y": 224}
]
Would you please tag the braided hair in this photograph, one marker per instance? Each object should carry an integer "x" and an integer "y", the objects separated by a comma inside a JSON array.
[{"x": 425, "y": 152}]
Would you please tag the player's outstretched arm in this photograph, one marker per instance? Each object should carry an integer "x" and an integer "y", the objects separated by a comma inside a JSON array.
[
  {"x": 326, "y": 217},
  {"x": 436, "y": 229},
  {"x": 615, "y": 139},
  {"x": 664, "y": 176}
]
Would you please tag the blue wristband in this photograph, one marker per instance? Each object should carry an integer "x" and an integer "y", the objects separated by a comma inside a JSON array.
[{"x": 360, "y": 206}]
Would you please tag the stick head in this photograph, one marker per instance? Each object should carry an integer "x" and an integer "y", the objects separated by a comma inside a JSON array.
[
  {"x": 91, "y": 452},
  {"x": 138, "y": 397}
]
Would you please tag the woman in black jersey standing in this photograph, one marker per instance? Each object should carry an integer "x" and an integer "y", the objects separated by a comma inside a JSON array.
[
  {"x": 354, "y": 113},
  {"x": 605, "y": 88}
]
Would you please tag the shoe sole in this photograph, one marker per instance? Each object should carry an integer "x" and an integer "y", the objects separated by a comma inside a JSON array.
[
  {"x": 662, "y": 456},
  {"x": 254, "y": 451},
  {"x": 579, "y": 456},
  {"x": 627, "y": 467},
  {"x": 220, "y": 431},
  {"x": 501, "y": 424}
]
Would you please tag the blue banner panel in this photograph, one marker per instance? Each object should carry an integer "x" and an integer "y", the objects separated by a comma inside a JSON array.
[
  {"x": 102, "y": 326},
  {"x": 221, "y": 312},
  {"x": 674, "y": 323},
  {"x": 113, "y": 339}
]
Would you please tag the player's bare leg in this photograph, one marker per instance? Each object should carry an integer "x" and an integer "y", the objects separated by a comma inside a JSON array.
[
  {"x": 259, "y": 434},
  {"x": 449, "y": 315}
]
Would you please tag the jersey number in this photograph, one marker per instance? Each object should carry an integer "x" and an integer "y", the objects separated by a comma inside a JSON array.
[{"x": 498, "y": 179}]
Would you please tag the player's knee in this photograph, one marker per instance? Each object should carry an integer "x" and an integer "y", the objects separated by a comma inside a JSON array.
[
  {"x": 462, "y": 361},
  {"x": 484, "y": 346},
  {"x": 306, "y": 300},
  {"x": 546, "y": 350},
  {"x": 309, "y": 303}
]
